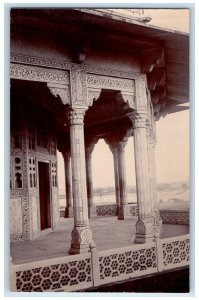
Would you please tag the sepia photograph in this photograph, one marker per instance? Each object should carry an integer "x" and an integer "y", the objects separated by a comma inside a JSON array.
[{"x": 99, "y": 134}]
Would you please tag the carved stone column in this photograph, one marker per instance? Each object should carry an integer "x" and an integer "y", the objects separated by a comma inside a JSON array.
[
  {"x": 156, "y": 212},
  {"x": 117, "y": 146},
  {"x": 81, "y": 234},
  {"x": 89, "y": 179},
  {"x": 122, "y": 179},
  {"x": 113, "y": 149},
  {"x": 144, "y": 225},
  {"x": 68, "y": 184}
]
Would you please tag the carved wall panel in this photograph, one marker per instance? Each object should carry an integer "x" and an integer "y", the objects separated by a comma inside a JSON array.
[
  {"x": 40, "y": 74},
  {"x": 55, "y": 208},
  {"x": 40, "y": 61},
  {"x": 108, "y": 82},
  {"x": 78, "y": 86},
  {"x": 34, "y": 213},
  {"x": 16, "y": 216},
  {"x": 141, "y": 96}
]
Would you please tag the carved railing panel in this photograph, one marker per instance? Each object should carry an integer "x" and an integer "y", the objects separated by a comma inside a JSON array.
[
  {"x": 68, "y": 273},
  {"x": 127, "y": 262},
  {"x": 95, "y": 268},
  {"x": 175, "y": 252}
]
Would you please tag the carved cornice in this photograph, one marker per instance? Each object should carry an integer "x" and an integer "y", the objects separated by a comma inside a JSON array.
[
  {"x": 64, "y": 65},
  {"x": 39, "y": 61},
  {"x": 32, "y": 73},
  {"x": 63, "y": 91},
  {"x": 110, "y": 72}
]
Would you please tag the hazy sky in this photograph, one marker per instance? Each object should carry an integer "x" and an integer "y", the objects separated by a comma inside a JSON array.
[{"x": 172, "y": 150}]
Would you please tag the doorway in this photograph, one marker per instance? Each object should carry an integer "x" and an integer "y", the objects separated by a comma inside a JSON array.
[{"x": 44, "y": 195}]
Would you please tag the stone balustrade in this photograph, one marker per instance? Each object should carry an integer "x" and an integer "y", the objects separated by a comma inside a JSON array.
[{"x": 95, "y": 268}]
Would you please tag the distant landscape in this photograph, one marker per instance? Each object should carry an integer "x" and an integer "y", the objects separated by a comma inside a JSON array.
[{"x": 173, "y": 193}]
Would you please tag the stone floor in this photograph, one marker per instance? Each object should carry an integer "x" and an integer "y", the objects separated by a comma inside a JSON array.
[{"x": 108, "y": 232}]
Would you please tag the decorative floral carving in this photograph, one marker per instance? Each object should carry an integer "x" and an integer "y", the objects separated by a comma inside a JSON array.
[
  {"x": 62, "y": 91},
  {"x": 40, "y": 61},
  {"x": 76, "y": 116},
  {"x": 129, "y": 98},
  {"x": 139, "y": 120},
  {"x": 78, "y": 86},
  {"x": 57, "y": 64},
  {"x": 110, "y": 82},
  {"x": 38, "y": 74},
  {"x": 15, "y": 216},
  {"x": 93, "y": 95},
  {"x": 110, "y": 72},
  {"x": 86, "y": 236},
  {"x": 141, "y": 96}
]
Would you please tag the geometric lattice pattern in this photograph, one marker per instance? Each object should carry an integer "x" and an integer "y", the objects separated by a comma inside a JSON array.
[
  {"x": 174, "y": 217},
  {"x": 128, "y": 262},
  {"x": 54, "y": 277},
  {"x": 106, "y": 210},
  {"x": 175, "y": 253},
  {"x": 134, "y": 210},
  {"x": 74, "y": 272}
]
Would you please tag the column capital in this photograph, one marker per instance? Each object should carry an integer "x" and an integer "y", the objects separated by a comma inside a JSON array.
[
  {"x": 139, "y": 120},
  {"x": 121, "y": 145},
  {"x": 76, "y": 116}
]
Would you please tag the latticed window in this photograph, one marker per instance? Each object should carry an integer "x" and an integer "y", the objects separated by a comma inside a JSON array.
[
  {"x": 54, "y": 174},
  {"x": 16, "y": 173},
  {"x": 32, "y": 173}
]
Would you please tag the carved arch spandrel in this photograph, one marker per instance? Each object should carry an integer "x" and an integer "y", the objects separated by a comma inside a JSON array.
[{"x": 63, "y": 91}]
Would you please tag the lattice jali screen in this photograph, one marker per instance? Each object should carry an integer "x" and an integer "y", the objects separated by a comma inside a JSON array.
[
  {"x": 174, "y": 217},
  {"x": 175, "y": 252},
  {"x": 123, "y": 263},
  {"x": 134, "y": 210},
  {"x": 68, "y": 273},
  {"x": 106, "y": 210}
]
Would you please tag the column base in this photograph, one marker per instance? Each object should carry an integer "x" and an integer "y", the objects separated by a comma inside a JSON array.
[
  {"x": 123, "y": 212},
  {"x": 92, "y": 212},
  {"x": 82, "y": 240},
  {"x": 144, "y": 231},
  {"x": 68, "y": 212}
]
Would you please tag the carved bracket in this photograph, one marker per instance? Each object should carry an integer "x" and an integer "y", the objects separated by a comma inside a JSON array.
[
  {"x": 150, "y": 58},
  {"x": 156, "y": 77},
  {"x": 127, "y": 98},
  {"x": 158, "y": 94},
  {"x": 93, "y": 95},
  {"x": 62, "y": 91}
]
